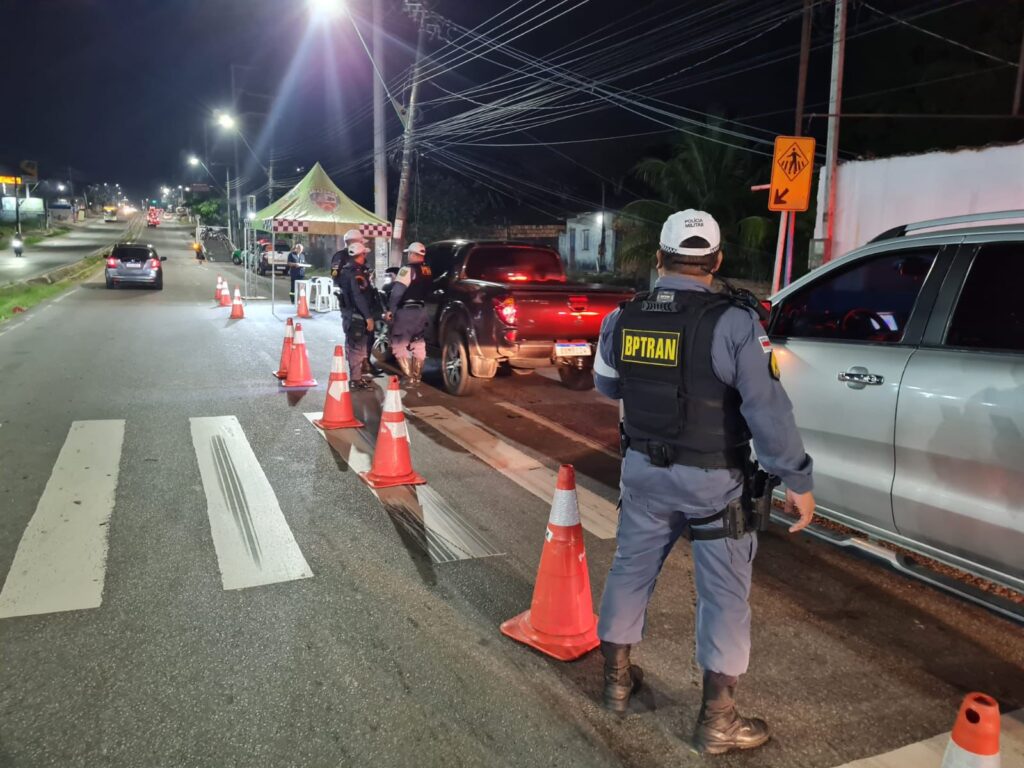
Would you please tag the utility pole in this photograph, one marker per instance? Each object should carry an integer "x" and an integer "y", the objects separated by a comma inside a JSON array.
[
  {"x": 1020, "y": 81},
  {"x": 835, "y": 100},
  {"x": 234, "y": 139},
  {"x": 227, "y": 195},
  {"x": 402, "y": 204},
  {"x": 601, "y": 247},
  {"x": 801, "y": 97},
  {"x": 270, "y": 178},
  {"x": 380, "y": 167}
]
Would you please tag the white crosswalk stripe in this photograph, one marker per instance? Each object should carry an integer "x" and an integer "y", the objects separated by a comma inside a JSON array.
[
  {"x": 254, "y": 544},
  {"x": 60, "y": 564}
]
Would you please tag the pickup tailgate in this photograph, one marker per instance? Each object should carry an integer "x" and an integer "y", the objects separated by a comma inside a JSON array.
[{"x": 564, "y": 311}]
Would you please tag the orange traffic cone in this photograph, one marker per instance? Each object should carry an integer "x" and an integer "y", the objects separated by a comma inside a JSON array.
[
  {"x": 974, "y": 742},
  {"x": 303, "y": 304},
  {"x": 392, "y": 464},
  {"x": 299, "y": 376},
  {"x": 225, "y": 295},
  {"x": 561, "y": 620},
  {"x": 237, "y": 311},
  {"x": 286, "y": 350},
  {"x": 216, "y": 293},
  {"x": 338, "y": 405}
]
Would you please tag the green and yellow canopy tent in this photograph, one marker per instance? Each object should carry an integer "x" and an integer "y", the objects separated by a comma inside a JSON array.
[{"x": 315, "y": 206}]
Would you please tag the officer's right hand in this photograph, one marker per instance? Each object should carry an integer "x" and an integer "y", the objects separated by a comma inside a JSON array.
[
  {"x": 803, "y": 505},
  {"x": 388, "y": 317},
  {"x": 369, "y": 323}
]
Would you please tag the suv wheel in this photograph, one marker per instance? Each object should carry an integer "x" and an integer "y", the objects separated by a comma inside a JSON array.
[{"x": 455, "y": 365}]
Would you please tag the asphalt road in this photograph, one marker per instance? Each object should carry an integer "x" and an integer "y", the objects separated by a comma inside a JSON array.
[
  {"x": 370, "y": 652},
  {"x": 55, "y": 252}
]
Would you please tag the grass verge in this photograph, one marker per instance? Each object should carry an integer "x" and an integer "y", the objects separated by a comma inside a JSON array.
[{"x": 26, "y": 295}]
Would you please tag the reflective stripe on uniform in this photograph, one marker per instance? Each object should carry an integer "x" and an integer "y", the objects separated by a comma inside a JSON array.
[{"x": 601, "y": 368}]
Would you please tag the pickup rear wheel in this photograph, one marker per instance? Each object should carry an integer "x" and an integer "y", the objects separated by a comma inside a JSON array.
[
  {"x": 576, "y": 379},
  {"x": 455, "y": 365}
]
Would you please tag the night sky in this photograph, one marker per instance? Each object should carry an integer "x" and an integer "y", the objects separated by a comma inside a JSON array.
[{"x": 120, "y": 90}]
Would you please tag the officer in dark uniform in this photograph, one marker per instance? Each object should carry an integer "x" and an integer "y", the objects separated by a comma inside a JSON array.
[
  {"x": 406, "y": 311},
  {"x": 356, "y": 311},
  {"x": 698, "y": 379},
  {"x": 340, "y": 257}
]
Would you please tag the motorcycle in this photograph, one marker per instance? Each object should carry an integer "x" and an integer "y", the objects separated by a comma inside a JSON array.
[{"x": 18, "y": 245}]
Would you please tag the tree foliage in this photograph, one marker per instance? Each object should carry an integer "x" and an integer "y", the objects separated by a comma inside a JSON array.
[
  {"x": 709, "y": 171},
  {"x": 212, "y": 211}
]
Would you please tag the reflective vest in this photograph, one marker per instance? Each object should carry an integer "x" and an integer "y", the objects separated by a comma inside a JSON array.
[{"x": 674, "y": 405}]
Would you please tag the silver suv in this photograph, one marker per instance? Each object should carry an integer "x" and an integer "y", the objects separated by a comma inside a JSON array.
[
  {"x": 905, "y": 364},
  {"x": 136, "y": 264}
]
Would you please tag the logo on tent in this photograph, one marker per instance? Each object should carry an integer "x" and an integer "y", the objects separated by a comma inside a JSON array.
[{"x": 324, "y": 199}]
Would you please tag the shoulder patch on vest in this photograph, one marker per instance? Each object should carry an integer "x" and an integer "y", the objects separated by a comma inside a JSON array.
[
  {"x": 650, "y": 347},
  {"x": 766, "y": 345}
]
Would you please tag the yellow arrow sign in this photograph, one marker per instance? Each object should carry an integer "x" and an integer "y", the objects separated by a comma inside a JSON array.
[{"x": 792, "y": 172}]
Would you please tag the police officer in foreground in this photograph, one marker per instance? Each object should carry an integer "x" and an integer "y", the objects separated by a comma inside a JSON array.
[
  {"x": 356, "y": 311},
  {"x": 698, "y": 379},
  {"x": 340, "y": 257},
  {"x": 406, "y": 311}
]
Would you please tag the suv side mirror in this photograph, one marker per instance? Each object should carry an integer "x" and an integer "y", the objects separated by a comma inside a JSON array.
[{"x": 163, "y": 258}]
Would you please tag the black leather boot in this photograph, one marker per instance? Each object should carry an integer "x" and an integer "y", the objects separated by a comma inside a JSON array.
[
  {"x": 621, "y": 679},
  {"x": 720, "y": 729}
]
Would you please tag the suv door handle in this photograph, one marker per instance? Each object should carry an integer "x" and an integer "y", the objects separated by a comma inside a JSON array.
[{"x": 859, "y": 377}]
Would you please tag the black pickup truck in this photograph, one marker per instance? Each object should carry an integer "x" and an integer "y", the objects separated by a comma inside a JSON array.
[{"x": 506, "y": 305}]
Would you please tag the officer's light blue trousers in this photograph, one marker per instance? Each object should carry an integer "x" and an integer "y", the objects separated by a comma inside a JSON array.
[{"x": 650, "y": 523}]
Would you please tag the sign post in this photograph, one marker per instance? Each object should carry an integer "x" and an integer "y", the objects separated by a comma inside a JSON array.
[{"x": 790, "y": 191}]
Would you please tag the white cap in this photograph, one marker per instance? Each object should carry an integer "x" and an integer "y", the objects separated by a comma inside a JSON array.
[
  {"x": 684, "y": 225},
  {"x": 417, "y": 248},
  {"x": 357, "y": 249},
  {"x": 354, "y": 236}
]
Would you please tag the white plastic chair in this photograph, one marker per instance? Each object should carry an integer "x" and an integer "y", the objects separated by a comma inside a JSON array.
[{"x": 322, "y": 297}]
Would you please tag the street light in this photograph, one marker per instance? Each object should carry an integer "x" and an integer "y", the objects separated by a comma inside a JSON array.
[
  {"x": 60, "y": 187},
  {"x": 326, "y": 9},
  {"x": 193, "y": 160},
  {"x": 226, "y": 121}
]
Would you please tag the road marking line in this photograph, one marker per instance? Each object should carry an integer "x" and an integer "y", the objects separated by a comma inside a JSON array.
[
  {"x": 254, "y": 544},
  {"x": 61, "y": 560},
  {"x": 928, "y": 753},
  {"x": 598, "y": 515},
  {"x": 563, "y": 431},
  {"x": 421, "y": 511}
]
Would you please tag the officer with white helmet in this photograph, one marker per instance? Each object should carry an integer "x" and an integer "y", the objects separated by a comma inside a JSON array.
[
  {"x": 698, "y": 380},
  {"x": 356, "y": 311},
  {"x": 340, "y": 258},
  {"x": 406, "y": 308}
]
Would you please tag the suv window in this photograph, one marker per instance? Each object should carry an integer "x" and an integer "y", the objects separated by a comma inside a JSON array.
[
  {"x": 131, "y": 252},
  {"x": 870, "y": 300},
  {"x": 514, "y": 264},
  {"x": 989, "y": 313},
  {"x": 439, "y": 259}
]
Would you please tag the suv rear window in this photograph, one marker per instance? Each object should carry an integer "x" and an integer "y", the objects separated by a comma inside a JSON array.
[
  {"x": 514, "y": 264},
  {"x": 989, "y": 313},
  {"x": 131, "y": 253}
]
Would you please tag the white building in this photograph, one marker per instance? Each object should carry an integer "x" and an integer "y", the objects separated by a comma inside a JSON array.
[{"x": 580, "y": 244}]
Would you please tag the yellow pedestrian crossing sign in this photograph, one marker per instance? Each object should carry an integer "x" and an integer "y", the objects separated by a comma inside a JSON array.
[{"x": 792, "y": 171}]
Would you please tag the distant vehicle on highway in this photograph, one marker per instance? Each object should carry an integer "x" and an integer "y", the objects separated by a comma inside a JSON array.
[
  {"x": 152, "y": 218},
  {"x": 506, "y": 304},
  {"x": 110, "y": 214},
  {"x": 905, "y": 364},
  {"x": 132, "y": 263}
]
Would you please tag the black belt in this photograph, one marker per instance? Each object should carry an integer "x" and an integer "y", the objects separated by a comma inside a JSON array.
[
  {"x": 665, "y": 454},
  {"x": 412, "y": 305}
]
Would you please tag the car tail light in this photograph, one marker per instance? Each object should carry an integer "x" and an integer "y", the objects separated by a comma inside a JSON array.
[
  {"x": 153, "y": 264},
  {"x": 506, "y": 310},
  {"x": 111, "y": 262}
]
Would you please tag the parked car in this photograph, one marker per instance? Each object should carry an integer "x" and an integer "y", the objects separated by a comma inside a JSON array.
[
  {"x": 280, "y": 259},
  {"x": 132, "y": 263},
  {"x": 905, "y": 364},
  {"x": 509, "y": 304}
]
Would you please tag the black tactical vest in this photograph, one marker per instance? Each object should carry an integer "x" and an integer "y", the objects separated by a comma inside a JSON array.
[
  {"x": 420, "y": 281},
  {"x": 673, "y": 402}
]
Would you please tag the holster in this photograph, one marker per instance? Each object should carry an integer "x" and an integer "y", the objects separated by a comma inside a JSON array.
[{"x": 752, "y": 511}]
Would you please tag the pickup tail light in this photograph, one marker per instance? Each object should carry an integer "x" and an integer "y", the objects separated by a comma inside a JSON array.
[
  {"x": 767, "y": 306},
  {"x": 111, "y": 262},
  {"x": 507, "y": 310}
]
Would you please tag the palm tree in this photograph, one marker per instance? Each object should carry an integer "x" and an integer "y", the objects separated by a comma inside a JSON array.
[{"x": 708, "y": 171}]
